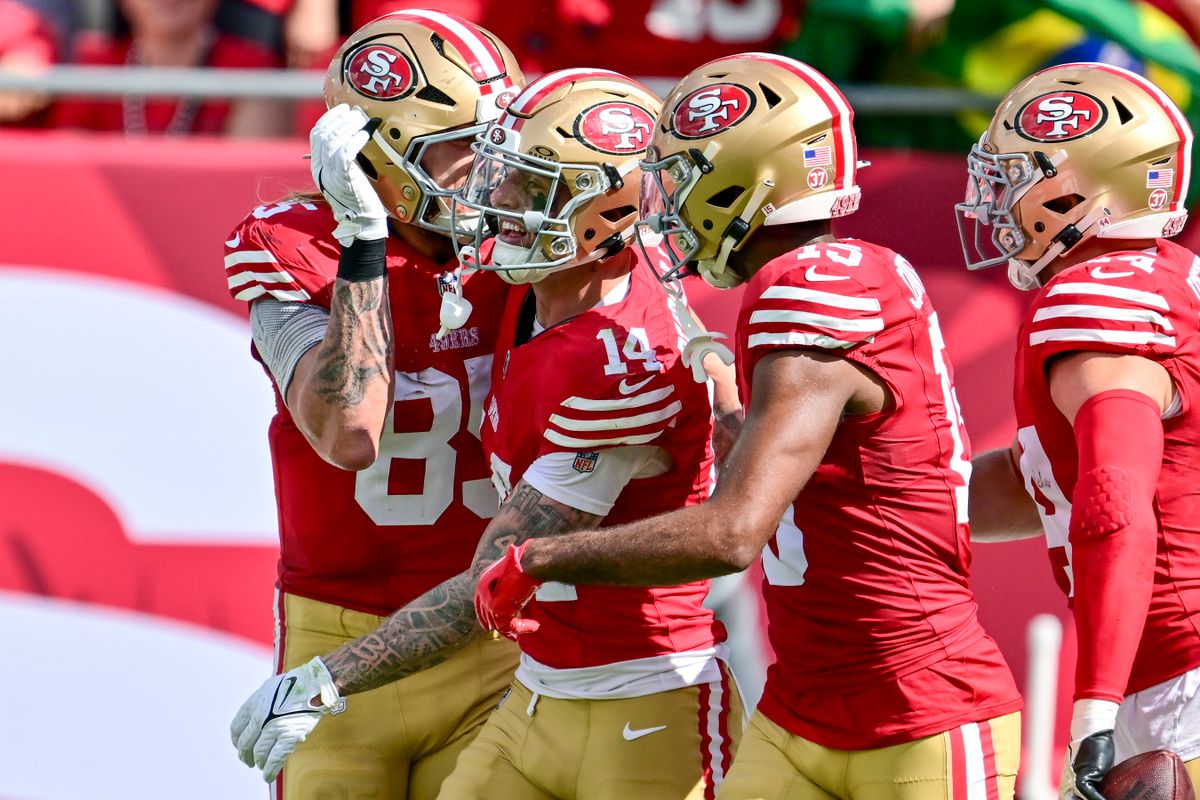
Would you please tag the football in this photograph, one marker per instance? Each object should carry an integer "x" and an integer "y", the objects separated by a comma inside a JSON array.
[{"x": 1157, "y": 775}]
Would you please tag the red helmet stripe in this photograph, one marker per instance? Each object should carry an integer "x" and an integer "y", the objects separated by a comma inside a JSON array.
[
  {"x": 845, "y": 147},
  {"x": 484, "y": 59},
  {"x": 1183, "y": 153},
  {"x": 548, "y": 83}
]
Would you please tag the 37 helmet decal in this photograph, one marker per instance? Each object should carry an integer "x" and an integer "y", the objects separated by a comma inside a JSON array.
[
  {"x": 1060, "y": 116},
  {"x": 711, "y": 109},
  {"x": 615, "y": 128},
  {"x": 381, "y": 72}
]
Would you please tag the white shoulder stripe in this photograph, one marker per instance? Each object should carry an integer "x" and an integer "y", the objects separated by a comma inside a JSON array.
[
  {"x": 616, "y": 423},
  {"x": 823, "y": 298},
  {"x": 869, "y": 325},
  {"x": 1092, "y": 335},
  {"x": 242, "y": 278},
  {"x": 633, "y": 401},
  {"x": 581, "y": 444},
  {"x": 250, "y": 257},
  {"x": 1103, "y": 312},
  {"x": 1133, "y": 295},
  {"x": 798, "y": 339}
]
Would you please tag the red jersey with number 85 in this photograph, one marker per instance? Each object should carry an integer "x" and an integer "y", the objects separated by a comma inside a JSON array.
[
  {"x": 375, "y": 539},
  {"x": 609, "y": 377},
  {"x": 870, "y": 613}
]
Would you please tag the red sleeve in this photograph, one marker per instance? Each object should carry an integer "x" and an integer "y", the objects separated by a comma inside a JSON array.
[
  {"x": 1113, "y": 535},
  {"x": 821, "y": 303},
  {"x": 1112, "y": 305},
  {"x": 285, "y": 251},
  {"x": 598, "y": 410}
]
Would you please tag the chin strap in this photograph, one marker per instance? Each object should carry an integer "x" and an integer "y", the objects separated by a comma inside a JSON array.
[{"x": 1024, "y": 276}]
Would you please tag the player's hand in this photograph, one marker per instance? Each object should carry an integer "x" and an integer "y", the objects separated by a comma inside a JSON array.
[
  {"x": 1088, "y": 761},
  {"x": 281, "y": 714},
  {"x": 335, "y": 142},
  {"x": 502, "y": 592}
]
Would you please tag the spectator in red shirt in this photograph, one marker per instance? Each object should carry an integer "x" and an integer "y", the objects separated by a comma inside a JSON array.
[
  {"x": 28, "y": 44},
  {"x": 174, "y": 34}
]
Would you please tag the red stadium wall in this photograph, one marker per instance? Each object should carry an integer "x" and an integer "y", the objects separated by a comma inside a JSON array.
[{"x": 152, "y": 216}]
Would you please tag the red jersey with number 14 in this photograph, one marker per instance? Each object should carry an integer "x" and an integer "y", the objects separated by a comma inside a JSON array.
[
  {"x": 1141, "y": 304},
  {"x": 609, "y": 377},
  {"x": 870, "y": 614},
  {"x": 375, "y": 539}
]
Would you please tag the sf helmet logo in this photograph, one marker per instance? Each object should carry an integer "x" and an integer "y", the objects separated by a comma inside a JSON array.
[
  {"x": 711, "y": 109},
  {"x": 381, "y": 72},
  {"x": 615, "y": 128},
  {"x": 1060, "y": 116}
]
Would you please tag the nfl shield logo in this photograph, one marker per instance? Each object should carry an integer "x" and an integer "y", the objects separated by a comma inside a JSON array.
[{"x": 586, "y": 462}]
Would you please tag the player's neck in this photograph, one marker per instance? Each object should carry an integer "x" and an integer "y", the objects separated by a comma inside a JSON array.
[
  {"x": 426, "y": 242},
  {"x": 770, "y": 242},
  {"x": 570, "y": 292}
]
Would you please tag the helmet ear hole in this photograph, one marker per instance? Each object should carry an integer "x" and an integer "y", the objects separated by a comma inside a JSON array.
[
  {"x": 617, "y": 213},
  {"x": 1063, "y": 204},
  {"x": 726, "y": 197}
]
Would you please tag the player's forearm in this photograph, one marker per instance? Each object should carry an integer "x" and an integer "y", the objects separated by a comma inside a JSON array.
[
  {"x": 685, "y": 545},
  {"x": 1000, "y": 509},
  {"x": 347, "y": 388},
  {"x": 421, "y": 635}
]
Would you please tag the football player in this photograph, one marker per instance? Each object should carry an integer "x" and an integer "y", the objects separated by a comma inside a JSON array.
[
  {"x": 594, "y": 418},
  {"x": 382, "y": 486},
  {"x": 885, "y": 684},
  {"x": 1077, "y": 185}
]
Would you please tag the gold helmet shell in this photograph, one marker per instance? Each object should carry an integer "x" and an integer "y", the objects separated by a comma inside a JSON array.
[
  {"x": 579, "y": 133},
  {"x": 745, "y": 141},
  {"x": 429, "y": 77},
  {"x": 1075, "y": 151}
]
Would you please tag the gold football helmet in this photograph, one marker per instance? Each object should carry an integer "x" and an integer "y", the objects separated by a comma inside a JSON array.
[
  {"x": 1075, "y": 151},
  {"x": 555, "y": 179},
  {"x": 428, "y": 77},
  {"x": 745, "y": 141}
]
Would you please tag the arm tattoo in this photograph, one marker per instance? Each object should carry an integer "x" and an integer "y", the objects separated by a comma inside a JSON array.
[
  {"x": 358, "y": 343},
  {"x": 441, "y": 622}
]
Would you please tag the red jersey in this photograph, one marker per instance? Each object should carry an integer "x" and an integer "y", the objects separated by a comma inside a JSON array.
[
  {"x": 375, "y": 539},
  {"x": 609, "y": 377},
  {"x": 1135, "y": 303},
  {"x": 870, "y": 613}
]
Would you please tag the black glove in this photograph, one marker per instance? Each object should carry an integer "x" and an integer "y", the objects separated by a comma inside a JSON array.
[{"x": 1093, "y": 759}]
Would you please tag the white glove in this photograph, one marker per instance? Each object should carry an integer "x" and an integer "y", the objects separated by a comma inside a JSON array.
[
  {"x": 281, "y": 714},
  {"x": 335, "y": 142}
]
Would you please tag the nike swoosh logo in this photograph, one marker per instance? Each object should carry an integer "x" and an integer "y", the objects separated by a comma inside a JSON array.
[
  {"x": 624, "y": 388},
  {"x": 811, "y": 274},
  {"x": 1098, "y": 272},
  {"x": 290, "y": 684},
  {"x": 630, "y": 734},
  {"x": 235, "y": 241}
]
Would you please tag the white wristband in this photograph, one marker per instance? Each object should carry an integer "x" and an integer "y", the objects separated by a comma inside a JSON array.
[{"x": 1090, "y": 716}]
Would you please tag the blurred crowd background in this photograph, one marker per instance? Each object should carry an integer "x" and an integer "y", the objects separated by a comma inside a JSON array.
[{"x": 983, "y": 47}]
